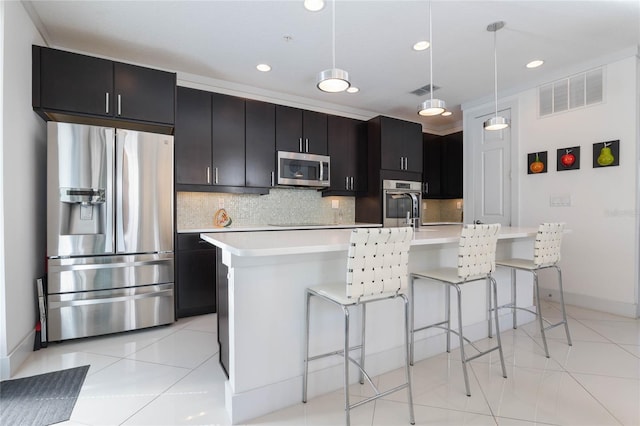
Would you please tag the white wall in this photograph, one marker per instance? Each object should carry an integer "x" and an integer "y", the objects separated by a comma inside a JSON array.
[
  {"x": 22, "y": 192},
  {"x": 600, "y": 255}
]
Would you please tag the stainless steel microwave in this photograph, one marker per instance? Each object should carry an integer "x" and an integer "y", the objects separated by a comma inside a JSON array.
[{"x": 300, "y": 169}]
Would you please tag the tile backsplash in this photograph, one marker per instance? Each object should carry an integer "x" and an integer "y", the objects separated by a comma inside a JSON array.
[
  {"x": 442, "y": 210},
  {"x": 195, "y": 210}
]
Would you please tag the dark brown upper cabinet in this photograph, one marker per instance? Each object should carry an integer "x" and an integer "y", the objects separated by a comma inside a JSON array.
[
  {"x": 260, "y": 142},
  {"x": 227, "y": 140},
  {"x": 400, "y": 145},
  {"x": 79, "y": 88},
  {"x": 193, "y": 149},
  {"x": 442, "y": 177},
  {"x": 347, "y": 149},
  {"x": 300, "y": 130}
]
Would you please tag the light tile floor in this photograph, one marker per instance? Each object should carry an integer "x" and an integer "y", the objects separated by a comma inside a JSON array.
[{"x": 170, "y": 376}]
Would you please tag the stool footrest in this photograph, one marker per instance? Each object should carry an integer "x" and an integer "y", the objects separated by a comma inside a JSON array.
[
  {"x": 338, "y": 352},
  {"x": 479, "y": 354},
  {"x": 380, "y": 395}
]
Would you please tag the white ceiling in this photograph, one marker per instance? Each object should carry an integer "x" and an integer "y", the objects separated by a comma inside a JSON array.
[{"x": 223, "y": 41}]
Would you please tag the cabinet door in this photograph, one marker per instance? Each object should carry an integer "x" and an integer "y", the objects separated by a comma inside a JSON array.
[
  {"x": 144, "y": 94},
  {"x": 75, "y": 83},
  {"x": 228, "y": 140},
  {"x": 260, "y": 143},
  {"x": 344, "y": 139},
  {"x": 288, "y": 129},
  {"x": 391, "y": 144},
  {"x": 432, "y": 158},
  {"x": 193, "y": 137},
  {"x": 412, "y": 146},
  {"x": 452, "y": 166},
  {"x": 196, "y": 278},
  {"x": 314, "y": 125}
]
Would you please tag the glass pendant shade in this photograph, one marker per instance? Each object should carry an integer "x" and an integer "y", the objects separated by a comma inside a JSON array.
[
  {"x": 431, "y": 107},
  {"x": 496, "y": 123},
  {"x": 333, "y": 80}
]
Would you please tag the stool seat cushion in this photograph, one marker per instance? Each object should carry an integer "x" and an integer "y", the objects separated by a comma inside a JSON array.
[
  {"x": 449, "y": 275},
  {"x": 335, "y": 291},
  {"x": 518, "y": 263}
]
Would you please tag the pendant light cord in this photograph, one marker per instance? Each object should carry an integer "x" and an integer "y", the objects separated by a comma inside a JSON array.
[
  {"x": 430, "y": 55},
  {"x": 333, "y": 31},
  {"x": 495, "y": 67}
]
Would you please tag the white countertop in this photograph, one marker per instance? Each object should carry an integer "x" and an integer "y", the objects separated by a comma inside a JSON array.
[
  {"x": 254, "y": 228},
  {"x": 316, "y": 240}
]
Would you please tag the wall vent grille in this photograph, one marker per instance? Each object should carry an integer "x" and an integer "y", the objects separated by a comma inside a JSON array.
[{"x": 576, "y": 91}]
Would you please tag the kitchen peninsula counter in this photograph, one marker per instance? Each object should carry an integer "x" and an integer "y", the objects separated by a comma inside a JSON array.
[{"x": 265, "y": 275}]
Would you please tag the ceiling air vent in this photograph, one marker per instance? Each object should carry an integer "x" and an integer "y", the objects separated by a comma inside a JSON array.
[
  {"x": 576, "y": 91},
  {"x": 424, "y": 90}
]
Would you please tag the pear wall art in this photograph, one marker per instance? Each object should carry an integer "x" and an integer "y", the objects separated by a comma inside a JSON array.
[
  {"x": 606, "y": 154},
  {"x": 568, "y": 158}
]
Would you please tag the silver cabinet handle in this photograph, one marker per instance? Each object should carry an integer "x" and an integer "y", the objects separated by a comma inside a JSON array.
[
  {"x": 215, "y": 174},
  {"x": 351, "y": 179},
  {"x": 401, "y": 163},
  {"x": 208, "y": 174},
  {"x": 306, "y": 145},
  {"x": 273, "y": 179},
  {"x": 346, "y": 182},
  {"x": 106, "y": 106},
  {"x": 300, "y": 145},
  {"x": 119, "y": 105},
  {"x": 426, "y": 187}
]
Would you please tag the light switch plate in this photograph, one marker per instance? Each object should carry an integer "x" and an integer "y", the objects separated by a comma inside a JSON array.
[
  {"x": 560, "y": 200},
  {"x": 335, "y": 204}
]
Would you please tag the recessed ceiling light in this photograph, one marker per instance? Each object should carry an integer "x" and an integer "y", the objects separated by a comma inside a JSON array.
[
  {"x": 535, "y": 64},
  {"x": 313, "y": 5},
  {"x": 446, "y": 113},
  {"x": 263, "y": 67},
  {"x": 353, "y": 89},
  {"x": 421, "y": 45}
]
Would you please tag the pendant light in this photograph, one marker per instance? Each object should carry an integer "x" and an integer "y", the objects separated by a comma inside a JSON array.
[
  {"x": 431, "y": 106},
  {"x": 497, "y": 122},
  {"x": 333, "y": 80}
]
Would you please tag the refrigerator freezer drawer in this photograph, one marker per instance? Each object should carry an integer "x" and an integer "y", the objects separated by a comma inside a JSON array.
[
  {"x": 93, "y": 313},
  {"x": 109, "y": 272}
]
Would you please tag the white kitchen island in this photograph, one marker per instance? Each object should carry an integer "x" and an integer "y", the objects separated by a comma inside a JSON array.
[{"x": 268, "y": 273}]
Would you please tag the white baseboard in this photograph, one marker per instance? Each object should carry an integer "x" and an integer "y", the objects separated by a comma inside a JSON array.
[
  {"x": 629, "y": 310},
  {"x": 10, "y": 364}
]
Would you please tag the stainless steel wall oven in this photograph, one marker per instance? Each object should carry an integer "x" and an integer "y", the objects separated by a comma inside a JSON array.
[{"x": 401, "y": 203}]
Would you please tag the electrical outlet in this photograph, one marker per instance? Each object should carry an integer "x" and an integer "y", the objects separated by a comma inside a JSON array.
[
  {"x": 459, "y": 205},
  {"x": 335, "y": 204},
  {"x": 221, "y": 203}
]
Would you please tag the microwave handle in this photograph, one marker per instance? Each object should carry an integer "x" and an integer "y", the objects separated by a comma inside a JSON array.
[{"x": 321, "y": 171}]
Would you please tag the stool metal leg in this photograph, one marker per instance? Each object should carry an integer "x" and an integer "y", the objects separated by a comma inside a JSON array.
[
  {"x": 490, "y": 309},
  {"x": 407, "y": 371},
  {"x": 464, "y": 358},
  {"x": 412, "y": 319},
  {"x": 495, "y": 312},
  {"x": 564, "y": 313},
  {"x": 447, "y": 313},
  {"x": 539, "y": 313},
  {"x": 513, "y": 298},
  {"x": 306, "y": 351},
  {"x": 364, "y": 323},
  {"x": 346, "y": 366}
]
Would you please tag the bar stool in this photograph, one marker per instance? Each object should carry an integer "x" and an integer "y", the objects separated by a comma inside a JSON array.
[
  {"x": 476, "y": 261},
  {"x": 546, "y": 254},
  {"x": 376, "y": 271}
]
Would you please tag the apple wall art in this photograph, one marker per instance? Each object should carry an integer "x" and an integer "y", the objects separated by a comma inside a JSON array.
[
  {"x": 606, "y": 154},
  {"x": 568, "y": 158},
  {"x": 537, "y": 162}
]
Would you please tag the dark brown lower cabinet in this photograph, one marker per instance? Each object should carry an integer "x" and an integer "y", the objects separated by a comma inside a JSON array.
[
  {"x": 222, "y": 302},
  {"x": 196, "y": 280}
]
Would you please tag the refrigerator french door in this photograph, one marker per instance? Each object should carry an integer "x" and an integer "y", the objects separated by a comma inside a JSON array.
[{"x": 109, "y": 230}]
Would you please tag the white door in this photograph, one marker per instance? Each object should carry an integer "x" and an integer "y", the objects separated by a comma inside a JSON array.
[{"x": 491, "y": 172}]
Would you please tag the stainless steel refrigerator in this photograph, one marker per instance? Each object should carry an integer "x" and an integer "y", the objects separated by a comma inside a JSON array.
[{"x": 109, "y": 230}]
